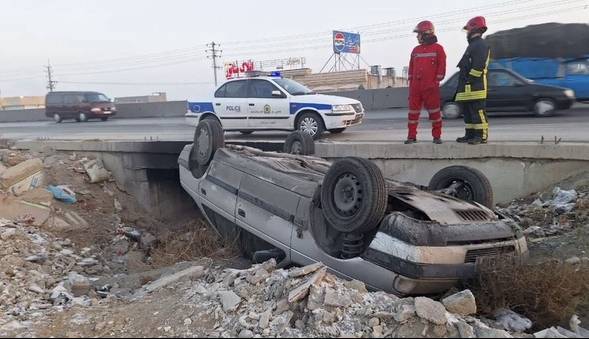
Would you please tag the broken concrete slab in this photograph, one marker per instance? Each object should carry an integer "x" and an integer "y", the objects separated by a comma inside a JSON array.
[
  {"x": 300, "y": 292},
  {"x": 194, "y": 272},
  {"x": 302, "y": 271},
  {"x": 96, "y": 172},
  {"x": 511, "y": 321},
  {"x": 24, "y": 171},
  {"x": 430, "y": 310},
  {"x": 462, "y": 303},
  {"x": 79, "y": 284},
  {"x": 229, "y": 300}
]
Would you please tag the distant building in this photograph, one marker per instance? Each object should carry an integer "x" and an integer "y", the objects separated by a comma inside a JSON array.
[
  {"x": 22, "y": 102},
  {"x": 347, "y": 80},
  {"x": 155, "y": 97}
]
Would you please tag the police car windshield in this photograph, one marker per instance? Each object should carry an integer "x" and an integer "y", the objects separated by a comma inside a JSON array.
[{"x": 293, "y": 87}]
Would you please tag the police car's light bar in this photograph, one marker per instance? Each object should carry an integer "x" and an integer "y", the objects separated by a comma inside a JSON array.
[{"x": 274, "y": 74}]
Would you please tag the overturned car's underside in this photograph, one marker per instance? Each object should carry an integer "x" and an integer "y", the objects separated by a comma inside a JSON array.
[{"x": 394, "y": 236}]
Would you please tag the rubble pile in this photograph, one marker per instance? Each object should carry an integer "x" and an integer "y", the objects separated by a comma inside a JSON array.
[
  {"x": 265, "y": 301},
  {"x": 39, "y": 272},
  {"x": 551, "y": 213}
]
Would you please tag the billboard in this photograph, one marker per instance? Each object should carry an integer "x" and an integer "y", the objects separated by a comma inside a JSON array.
[{"x": 345, "y": 42}]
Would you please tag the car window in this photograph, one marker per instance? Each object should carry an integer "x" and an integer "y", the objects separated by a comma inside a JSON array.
[
  {"x": 96, "y": 97},
  {"x": 293, "y": 87},
  {"x": 502, "y": 79},
  {"x": 73, "y": 99},
  {"x": 220, "y": 93},
  {"x": 261, "y": 89},
  {"x": 54, "y": 99},
  {"x": 580, "y": 67},
  {"x": 236, "y": 89}
]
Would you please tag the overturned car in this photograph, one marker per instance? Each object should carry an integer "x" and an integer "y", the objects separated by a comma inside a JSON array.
[{"x": 393, "y": 236}]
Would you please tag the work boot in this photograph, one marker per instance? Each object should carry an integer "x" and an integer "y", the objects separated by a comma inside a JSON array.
[
  {"x": 476, "y": 141},
  {"x": 438, "y": 141},
  {"x": 410, "y": 141},
  {"x": 462, "y": 140}
]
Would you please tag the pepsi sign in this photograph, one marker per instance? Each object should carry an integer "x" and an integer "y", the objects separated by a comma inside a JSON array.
[{"x": 345, "y": 42}]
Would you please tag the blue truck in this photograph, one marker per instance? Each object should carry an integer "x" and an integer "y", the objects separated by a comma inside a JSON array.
[
  {"x": 571, "y": 73},
  {"x": 552, "y": 54}
]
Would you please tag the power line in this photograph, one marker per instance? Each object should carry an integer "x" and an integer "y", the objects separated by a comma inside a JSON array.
[
  {"x": 214, "y": 53},
  {"x": 179, "y": 83}
]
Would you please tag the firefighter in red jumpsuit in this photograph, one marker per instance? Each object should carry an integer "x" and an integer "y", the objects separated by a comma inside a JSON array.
[{"x": 426, "y": 69}]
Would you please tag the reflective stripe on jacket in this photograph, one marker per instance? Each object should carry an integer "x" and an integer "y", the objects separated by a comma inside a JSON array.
[{"x": 472, "y": 83}]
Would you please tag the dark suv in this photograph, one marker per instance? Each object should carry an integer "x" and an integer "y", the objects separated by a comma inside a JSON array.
[{"x": 80, "y": 106}]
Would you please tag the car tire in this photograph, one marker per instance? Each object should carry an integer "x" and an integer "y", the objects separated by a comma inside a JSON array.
[
  {"x": 544, "y": 107},
  {"x": 354, "y": 195},
  {"x": 475, "y": 185},
  {"x": 337, "y": 130},
  {"x": 104, "y": 118},
  {"x": 246, "y": 132},
  {"x": 57, "y": 118},
  {"x": 208, "y": 138},
  {"x": 311, "y": 123},
  {"x": 249, "y": 244},
  {"x": 300, "y": 143},
  {"x": 451, "y": 110},
  {"x": 82, "y": 117}
]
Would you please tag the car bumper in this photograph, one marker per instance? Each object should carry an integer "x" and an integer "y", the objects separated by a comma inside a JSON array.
[
  {"x": 565, "y": 103},
  {"x": 336, "y": 120},
  {"x": 103, "y": 114}
]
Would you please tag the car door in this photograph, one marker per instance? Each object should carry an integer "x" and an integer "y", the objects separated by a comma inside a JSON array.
[
  {"x": 230, "y": 104},
  {"x": 506, "y": 91},
  {"x": 70, "y": 105},
  {"x": 268, "y": 106},
  {"x": 267, "y": 210}
]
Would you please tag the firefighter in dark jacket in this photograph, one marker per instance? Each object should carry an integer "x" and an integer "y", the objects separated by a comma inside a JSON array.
[{"x": 472, "y": 84}]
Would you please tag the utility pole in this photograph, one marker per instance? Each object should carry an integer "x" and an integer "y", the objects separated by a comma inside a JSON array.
[
  {"x": 213, "y": 52},
  {"x": 50, "y": 82}
]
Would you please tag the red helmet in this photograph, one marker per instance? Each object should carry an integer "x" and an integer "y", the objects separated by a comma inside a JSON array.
[
  {"x": 478, "y": 22},
  {"x": 424, "y": 27}
]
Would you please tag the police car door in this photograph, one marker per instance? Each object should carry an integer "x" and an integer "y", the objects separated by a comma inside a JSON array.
[
  {"x": 231, "y": 104},
  {"x": 268, "y": 106}
]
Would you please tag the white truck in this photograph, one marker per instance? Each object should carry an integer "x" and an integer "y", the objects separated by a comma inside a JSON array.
[{"x": 266, "y": 102}]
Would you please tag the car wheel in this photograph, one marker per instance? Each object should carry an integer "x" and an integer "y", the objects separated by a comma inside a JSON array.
[
  {"x": 464, "y": 183},
  {"x": 544, "y": 107},
  {"x": 104, "y": 118},
  {"x": 299, "y": 142},
  {"x": 246, "y": 132},
  {"x": 354, "y": 195},
  {"x": 57, "y": 118},
  {"x": 311, "y": 123},
  {"x": 451, "y": 110},
  {"x": 208, "y": 137},
  {"x": 82, "y": 117},
  {"x": 337, "y": 130}
]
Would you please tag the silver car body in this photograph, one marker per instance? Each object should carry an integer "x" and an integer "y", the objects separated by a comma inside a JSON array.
[{"x": 274, "y": 197}]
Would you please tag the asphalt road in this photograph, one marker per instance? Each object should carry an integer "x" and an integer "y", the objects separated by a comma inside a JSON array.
[{"x": 571, "y": 125}]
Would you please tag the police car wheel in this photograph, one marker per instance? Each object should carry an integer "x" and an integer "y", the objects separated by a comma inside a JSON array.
[
  {"x": 354, "y": 195},
  {"x": 451, "y": 110},
  {"x": 299, "y": 142},
  {"x": 468, "y": 184},
  {"x": 208, "y": 137},
  {"x": 312, "y": 124}
]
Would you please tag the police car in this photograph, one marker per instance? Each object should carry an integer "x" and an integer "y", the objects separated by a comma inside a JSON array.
[{"x": 267, "y": 101}]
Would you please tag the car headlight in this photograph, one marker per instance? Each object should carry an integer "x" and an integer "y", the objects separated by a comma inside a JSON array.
[
  {"x": 96, "y": 110},
  {"x": 342, "y": 108},
  {"x": 569, "y": 93}
]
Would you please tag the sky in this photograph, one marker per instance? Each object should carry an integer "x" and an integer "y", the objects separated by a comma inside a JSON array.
[{"x": 137, "y": 47}]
